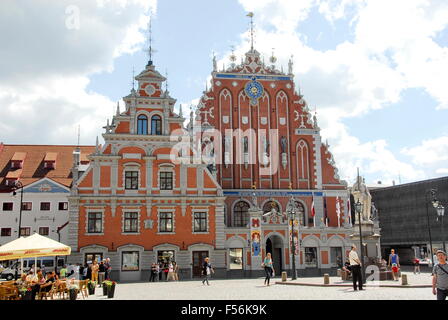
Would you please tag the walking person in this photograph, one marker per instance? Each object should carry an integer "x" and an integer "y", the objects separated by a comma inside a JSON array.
[
  {"x": 108, "y": 268},
  {"x": 355, "y": 265},
  {"x": 394, "y": 260},
  {"x": 416, "y": 265},
  {"x": 440, "y": 276},
  {"x": 152, "y": 277},
  {"x": 89, "y": 271},
  {"x": 268, "y": 268},
  {"x": 207, "y": 270},
  {"x": 160, "y": 270}
]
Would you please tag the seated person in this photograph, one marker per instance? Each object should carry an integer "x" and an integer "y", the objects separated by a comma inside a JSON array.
[
  {"x": 347, "y": 267},
  {"x": 22, "y": 280},
  {"x": 46, "y": 285},
  {"x": 31, "y": 277}
]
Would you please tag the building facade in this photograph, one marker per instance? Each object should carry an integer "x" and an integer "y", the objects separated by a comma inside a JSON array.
[
  {"x": 407, "y": 217},
  {"x": 140, "y": 201},
  {"x": 266, "y": 150},
  {"x": 45, "y": 173}
]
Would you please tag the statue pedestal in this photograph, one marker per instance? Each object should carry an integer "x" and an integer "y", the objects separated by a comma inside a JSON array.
[{"x": 370, "y": 238}]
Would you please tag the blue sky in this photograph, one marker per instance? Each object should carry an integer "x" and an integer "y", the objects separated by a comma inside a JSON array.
[{"x": 376, "y": 71}]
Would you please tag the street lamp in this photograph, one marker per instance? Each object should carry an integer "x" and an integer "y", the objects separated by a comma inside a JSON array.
[
  {"x": 441, "y": 213},
  {"x": 435, "y": 204},
  {"x": 292, "y": 216},
  {"x": 358, "y": 209},
  {"x": 18, "y": 185}
]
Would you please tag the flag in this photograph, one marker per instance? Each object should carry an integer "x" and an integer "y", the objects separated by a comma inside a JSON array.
[
  {"x": 313, "y": 212},
  {"x": 349, "y": 211},
  {"x": 338, "y": 211},
  {"x": 250, "y": 14}
]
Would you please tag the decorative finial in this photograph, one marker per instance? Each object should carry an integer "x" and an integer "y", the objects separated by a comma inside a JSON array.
[
  {"x": 215, "y": 67},
  {"x": 273, "y": 59},
  {"x": 290, "y": 65},
  {"x": 251, "y": 15},
  {"x": 180, "y": 110},
  {"x": 150, "y": 49},
  {"x": 118, "y": 108},
  {"x": 166, "y": 81},
  {"x": 133, "y": 79},
  {"x": 97, "y": 148},
  {"x": 206, "y": 86}
]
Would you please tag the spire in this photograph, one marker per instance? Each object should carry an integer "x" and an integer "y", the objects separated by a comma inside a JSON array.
[
  {"x": 133, "y": 80},
  {"x": 251, "y": 16},
  {"x": 166, "y": 82},
  {"x": 97, "y": 147},
  {"x": 150, "y": 49},
  {"x": 215, "y": 68},
  {"x": 118, "y": 108},
  {"x": 180, "y": 110}
]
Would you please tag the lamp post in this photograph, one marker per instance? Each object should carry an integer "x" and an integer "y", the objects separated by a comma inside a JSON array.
[
  {"x": 292, "y": 216},
  {"x": 358, "y": 209},
  {"x": 435, "y": 204},
  {"x": 441, "y": 213},
  {"x": 18, "y": 185}
]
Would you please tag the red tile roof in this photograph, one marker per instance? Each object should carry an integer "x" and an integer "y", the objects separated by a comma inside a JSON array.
[{"x": 33, "y": 164}]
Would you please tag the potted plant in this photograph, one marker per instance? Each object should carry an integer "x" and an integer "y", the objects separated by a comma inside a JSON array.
[
  {"x": 110, "y": 285},
  {"x": 26, "y": 293},
  {"x": 73, "y": 291},
  {"x": 104, "y": 285},
  {"x": 91, "y": 285}
]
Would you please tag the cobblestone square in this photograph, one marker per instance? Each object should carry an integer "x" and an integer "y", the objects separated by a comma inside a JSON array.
[{"x": 253, "y": 289}]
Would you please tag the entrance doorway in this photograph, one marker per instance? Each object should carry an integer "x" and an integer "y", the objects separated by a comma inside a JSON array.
[
  {"x": 198, "y": 260},
  {"x": 274, "y": 245}
]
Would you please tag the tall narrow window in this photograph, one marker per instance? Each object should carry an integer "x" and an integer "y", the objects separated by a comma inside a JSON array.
[
  {"x": 95, "y": 222},
  {"x": 130, "y": 222},
  {"x": 25, "y": 231},
  {"x": 166, "y": 222},
  {"x": 200, "y": 222},
  {"x": 156, "y": 125},
  {"x": 44, "y": 231},
  {"x": 142, "y": 124},
  {"x": 131, "y": 180},
  {"x": 166, "y": 180}
]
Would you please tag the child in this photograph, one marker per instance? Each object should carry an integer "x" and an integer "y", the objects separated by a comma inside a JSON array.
[{"x": 395, "y": 271}]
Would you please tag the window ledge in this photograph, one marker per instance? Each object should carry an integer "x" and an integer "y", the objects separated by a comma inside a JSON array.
[
  {"x": 201, "y": 232},
  {"x": 130, "y": 233},
  {"x": 94, "y": 234},
  {"x": 162, "y": 233}
]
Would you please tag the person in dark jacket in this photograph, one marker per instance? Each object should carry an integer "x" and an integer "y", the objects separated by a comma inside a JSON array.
[
  {"x": 207, "y": 270},
  {"x": 89, "y": 271}
]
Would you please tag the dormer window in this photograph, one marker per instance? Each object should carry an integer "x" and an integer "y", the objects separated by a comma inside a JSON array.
[
  {"x": 156, "y": 125},
  {"x": 50, "y": 160},
  {"x": 17, "y": 160},
  {"x": 142, "y": 124}
]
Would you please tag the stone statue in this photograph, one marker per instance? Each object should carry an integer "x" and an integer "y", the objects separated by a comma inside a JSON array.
[
  {"x": 283, "y": 142},
  {"x": 245, "y": 145},
  {"x": 361, "y": 192},
  {"x": 215, "y": 67},
  {"x": 374, "y": 213},
  {"x": 290, "y": 63}
]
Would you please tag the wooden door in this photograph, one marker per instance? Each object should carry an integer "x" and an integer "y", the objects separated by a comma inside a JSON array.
[{"x": 198, "y": 260}]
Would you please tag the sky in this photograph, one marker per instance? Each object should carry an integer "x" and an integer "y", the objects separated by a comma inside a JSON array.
[{"x": 376, "y": 72}]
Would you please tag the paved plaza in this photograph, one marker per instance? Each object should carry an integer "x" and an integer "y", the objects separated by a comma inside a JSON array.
[{"x": 253, "y": 289}]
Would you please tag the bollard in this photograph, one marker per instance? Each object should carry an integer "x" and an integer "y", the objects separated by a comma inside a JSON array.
[
  {"x": 326, "y": 278},
  {"x": 284, "y": 276},
  {"x": 404, "y": 279}
]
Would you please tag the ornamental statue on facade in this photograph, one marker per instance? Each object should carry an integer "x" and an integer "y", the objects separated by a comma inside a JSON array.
[{"x": 361, "y": 192}]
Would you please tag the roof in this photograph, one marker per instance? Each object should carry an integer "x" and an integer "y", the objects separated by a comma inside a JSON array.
[{"x": 33, "y": 164}]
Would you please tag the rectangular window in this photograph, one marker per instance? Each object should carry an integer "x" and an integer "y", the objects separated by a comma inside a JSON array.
[
  {"x": 166, "y": 181},
  {"x": 336, "y": 257},
  {"x": 27, "y": 206},
  {"x": 131, "y": 180},
  {"x": 95, "y": 222},
  {"x": 166, "y": 222},
  {"x": 63, "y": 206},
  {"x": 130, "y": 222},
  {"x": 8, "y": 206},
  {"x": 90, "y": 257},
  {"x": 129, "y": 261},
  {"x": 311, "y": 257},
  {"x": 236, "y": 259},
  {"x": 165, "y": 256},
  {"x": 44, "y": 231},
  {"x": 25, "y": 231},
  {"x": 45, "y": 206},
  {"x": 200, "y": 222},
  {"x": 6, "y": 232}
]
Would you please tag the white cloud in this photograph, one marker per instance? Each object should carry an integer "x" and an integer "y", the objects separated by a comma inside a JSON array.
[
  {"x": 429, "y": 152},
  {"x": 393, "y": 50},
  {"x": 442, "y": 171},
  {"x": 45, "y": 66}
]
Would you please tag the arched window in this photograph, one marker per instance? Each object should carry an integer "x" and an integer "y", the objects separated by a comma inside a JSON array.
[
  {"x": 269, "y": 205},
  {"x": 241, "y": 214},
  {"x": 142, "y": 124},
  {"x": 156, "y": 125},
  {"x": 301, "y": 214}
]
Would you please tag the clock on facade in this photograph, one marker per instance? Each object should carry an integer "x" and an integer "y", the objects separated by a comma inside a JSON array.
[
  {"x": 254, "y": 91},
  {"x": 149, "y": 89}
]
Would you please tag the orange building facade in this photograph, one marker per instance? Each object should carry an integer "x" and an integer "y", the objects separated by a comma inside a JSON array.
[{"x": 222, "y": 186}]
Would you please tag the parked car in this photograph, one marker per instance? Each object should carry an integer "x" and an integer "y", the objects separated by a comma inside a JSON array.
[{"x": 9, "y": 272}]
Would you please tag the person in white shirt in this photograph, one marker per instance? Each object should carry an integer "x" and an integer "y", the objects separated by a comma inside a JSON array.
[{"x": 355, "y": 265}]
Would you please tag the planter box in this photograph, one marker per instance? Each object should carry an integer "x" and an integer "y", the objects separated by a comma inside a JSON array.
[
  {"x": 28, "y": 295},
  {"x": 104, "y": 290},
  {"x": 111, "y": 291},
  {"x": 73, "y": 293}
]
